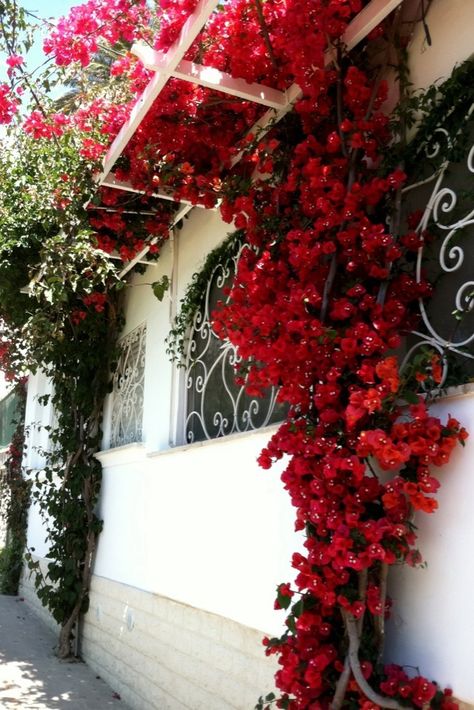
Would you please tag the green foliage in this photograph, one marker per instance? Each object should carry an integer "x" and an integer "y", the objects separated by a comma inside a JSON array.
[
  {"x": 47, "y": 185},
  {"x": 442, "y": 110},
  {"x": 160, "y": 287},
  {"x": 194, "y": 295},
  {"x": 11, "y": 562},
  {"x": 16, "y": 491},
  {"x": 67, "y": 489},
  {"x": 264, "y": 701},
  {"x": 59, "y": 300}
]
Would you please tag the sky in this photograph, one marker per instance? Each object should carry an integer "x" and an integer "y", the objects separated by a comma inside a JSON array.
[{"x": 50, "y": 9}]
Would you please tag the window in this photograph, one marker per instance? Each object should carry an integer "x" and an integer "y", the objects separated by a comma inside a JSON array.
[
  {"x": 215, "y": 404},
  {"x": 128, "y": 389},
  {"x": 444, "y": 199}
]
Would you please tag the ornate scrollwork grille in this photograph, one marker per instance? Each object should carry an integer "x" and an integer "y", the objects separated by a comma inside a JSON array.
[
  {"x": 128, "y": 389},
  {"x": 215, "y": 404},
  {"x": 447, "y": 320}
]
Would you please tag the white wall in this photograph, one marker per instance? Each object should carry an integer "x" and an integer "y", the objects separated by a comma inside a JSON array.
[
  {"x": 201, "y": 524},
  {"x": 433, "y": 615},
  {"x": 450, "y": 25}
]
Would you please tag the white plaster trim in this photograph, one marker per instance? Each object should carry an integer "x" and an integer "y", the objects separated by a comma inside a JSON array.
[
  {"x": 268, "y": 430},
  {"x": 455, "y": 392},
  {"x": 121, "y": 455}
]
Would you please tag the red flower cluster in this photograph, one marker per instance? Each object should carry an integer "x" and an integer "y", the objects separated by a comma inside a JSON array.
[
  {"x": 75, "y": 37},
  {"x": 40, "y": 126},
  {"x": 95, "y": 300},
  {"x": 8, "y": 104}
]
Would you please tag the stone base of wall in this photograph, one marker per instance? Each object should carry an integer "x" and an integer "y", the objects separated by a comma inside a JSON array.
[{"x": 159, "y": 654}]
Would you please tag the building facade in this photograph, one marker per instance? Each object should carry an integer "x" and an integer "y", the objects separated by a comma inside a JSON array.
[{"x": 196, "y": 537}]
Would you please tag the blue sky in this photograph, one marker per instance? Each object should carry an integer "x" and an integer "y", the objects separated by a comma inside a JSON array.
[{"x": 50, "y": 9}]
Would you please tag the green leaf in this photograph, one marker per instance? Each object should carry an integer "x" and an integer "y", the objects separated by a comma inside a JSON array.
[
  {"x": 160, "y": 287},
  {"x": 297, "y": 609},
  {"x": 410, "y": 397},
  {"x": 283, "y": 600}
]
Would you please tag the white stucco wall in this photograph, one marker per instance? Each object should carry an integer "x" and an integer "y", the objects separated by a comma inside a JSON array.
[
  {"x": 433, "y": 615},
  {"x": 201, "y": 524},
  {"x": 450, "y": 24}
]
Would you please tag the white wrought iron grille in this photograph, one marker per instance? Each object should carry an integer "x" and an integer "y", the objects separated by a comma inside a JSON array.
[
  {"x": 128, "y": 389},
  {"x": 215, "y": 404},
  {"x": 447, "y": 257}
]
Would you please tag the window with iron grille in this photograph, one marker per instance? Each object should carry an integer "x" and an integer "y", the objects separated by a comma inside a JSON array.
[
  {"x": 215, "y": 404},
  {"x": 442, "y": 202},
  {"x": 128, "y": 389}
]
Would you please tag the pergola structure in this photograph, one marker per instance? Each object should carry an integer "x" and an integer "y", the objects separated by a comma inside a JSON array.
[{"x": 172, "y": 64}]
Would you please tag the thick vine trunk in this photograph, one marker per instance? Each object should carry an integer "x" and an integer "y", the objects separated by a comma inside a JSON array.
[{"x": 66, "y": 633}]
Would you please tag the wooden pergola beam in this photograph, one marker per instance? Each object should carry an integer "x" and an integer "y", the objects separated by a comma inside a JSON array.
[
  {"x": 112, "y": 181},
  {"x": 172, "y": 64},
  {"x": 173, "y": 56},
  {"x": 210, "y": 77}
]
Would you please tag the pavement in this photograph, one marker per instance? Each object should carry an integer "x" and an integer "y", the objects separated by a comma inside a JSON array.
[{"x": 31, "y": 677}]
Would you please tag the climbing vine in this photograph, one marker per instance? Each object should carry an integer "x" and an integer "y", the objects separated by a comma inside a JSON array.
[
  {"x": 193, "y": 298},
  {"x": 59, "y": 297},
  {"x": 15, "y": 490},
  {"x": 318, "y": 306}
]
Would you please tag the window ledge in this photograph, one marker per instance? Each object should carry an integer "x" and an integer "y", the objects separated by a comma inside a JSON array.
[
  {"x": 454, "y": 392},
  {"x": 128, "y": 453},
  {"x": 220, "y": 441}
]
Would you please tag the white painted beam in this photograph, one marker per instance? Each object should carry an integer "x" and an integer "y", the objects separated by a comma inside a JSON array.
[
  {"x": 112, "y": 181},
  {"x": 271, "y": 117},
  {"x": 116, "y": 257},
  {"x": 138, "y": 113},
  {"x": 190, "y": 31},
  {"x": 357, "y": 30},
  {"x": 144, "y": 213},
  {"x": 176, "y": 52},
  {"x": 138, "y": 259},
  {"x": 368, "y": 18},
  {"x": 220, "y": 81},
  {"x": 211, "y": 78}
]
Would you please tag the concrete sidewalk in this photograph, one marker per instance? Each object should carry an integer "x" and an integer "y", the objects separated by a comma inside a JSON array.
[{"x": 32, "y": 677}]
